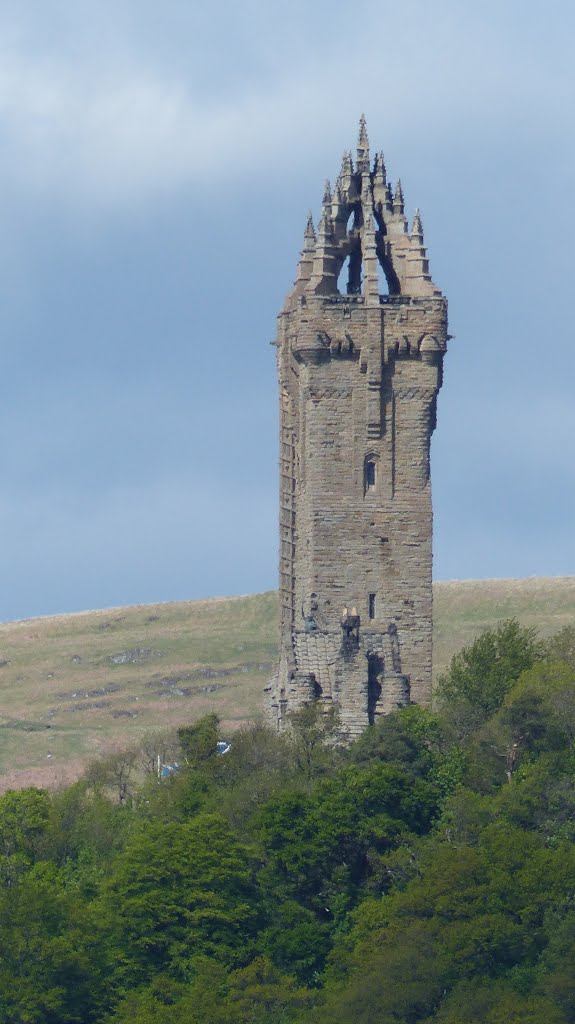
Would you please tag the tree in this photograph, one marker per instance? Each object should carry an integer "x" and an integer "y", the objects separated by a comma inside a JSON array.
[
  {"x": 24, "y": 819},
  {"x": 410, "y": 737},
  {"x": 86, "y": 828},
  {"x": 554, "y": 683},
  {"x": 482, "y": 674},
  {"x": 259, "y": 763},
  {"x": 179, "y": 890},
  {"x": 53, "y": 954},
  {"x": 160, "y": 746},
  {"x": 312, "y": 727},
  {"x": 319, "y": 847},
  {"x": 417, "y": 740},
  {"x": 256, "y": 994},
  {"x": 199, "y": 741},
  {"x": 398, "y": 978},
  {"x": 297, "y": 941},
  {"x": 497, "y": 1003},
  {"x": 114, "y": 772},
  {"x": 561, "y": 646}
]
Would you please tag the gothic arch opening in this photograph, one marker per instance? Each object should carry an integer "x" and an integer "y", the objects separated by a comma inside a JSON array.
[
  {"x": 349, "y": 277},
  {"x": 390, "y": 280},
  {"x": 343, "y": 277},
  {"x": 382, "y": 282}
]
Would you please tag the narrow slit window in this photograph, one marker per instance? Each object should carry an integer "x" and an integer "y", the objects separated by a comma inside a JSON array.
[
  {"x": 370, "y": 474},
  {"x": 371, "y": 606}
]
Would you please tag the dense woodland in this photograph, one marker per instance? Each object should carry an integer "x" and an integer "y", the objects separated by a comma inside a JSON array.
[{"x": 424, "y": 873}]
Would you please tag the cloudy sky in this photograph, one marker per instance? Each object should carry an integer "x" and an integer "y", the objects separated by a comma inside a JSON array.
[{"x": 157, "y": 160}]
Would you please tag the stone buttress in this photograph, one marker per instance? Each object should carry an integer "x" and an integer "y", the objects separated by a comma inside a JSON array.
[{"x": 358, "y": 374}]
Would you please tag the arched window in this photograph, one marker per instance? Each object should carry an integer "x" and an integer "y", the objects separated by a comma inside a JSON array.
[{"x": 370, "y": 473}]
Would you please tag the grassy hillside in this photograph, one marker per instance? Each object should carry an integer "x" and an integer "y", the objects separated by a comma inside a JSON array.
[{"x": 75, "y": 685}]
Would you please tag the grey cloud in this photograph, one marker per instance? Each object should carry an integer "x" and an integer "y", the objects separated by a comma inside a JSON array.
[{"x": 114, "y": 118}]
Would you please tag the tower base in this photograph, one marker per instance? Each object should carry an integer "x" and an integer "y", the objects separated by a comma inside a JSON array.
[{"x": 360, "y": 672}]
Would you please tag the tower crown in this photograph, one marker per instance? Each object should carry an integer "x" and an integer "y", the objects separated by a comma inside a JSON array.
[{"x": 364, "y": 222}]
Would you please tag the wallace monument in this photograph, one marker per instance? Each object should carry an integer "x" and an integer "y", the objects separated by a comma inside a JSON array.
[{"x": 361, "y": 339}]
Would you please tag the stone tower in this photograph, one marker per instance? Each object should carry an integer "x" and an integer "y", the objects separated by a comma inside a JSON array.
[{"x": 359, "y": 373}]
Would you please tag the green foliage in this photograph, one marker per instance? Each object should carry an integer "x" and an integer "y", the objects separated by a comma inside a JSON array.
[
  {"x": 114, "y": 773},
  {"x": 53, "y": 955},
  {"x": 497, "y": 1003},
  {"x": 297, "y": 940},
  {"x": 418, "y": 741},
  {"x": 312, "y": 727},
  {"x": 180, "y": 890},
  {"x": 23, "y": 823},
  {"x": 422, "y": 874},
  {"x": 554, "y": 684},
  {"x": 482, "y": 674},
  {"x": 411, "y": 738},
  {"x": 320, "y": 845},
  {"x": 85, "y": 827},
  {"x": 250, "y": 773},
  {"x": 198, "y": 742},
  {"x": 561, "y": 646},
  {"x": 256, "y": 994}
]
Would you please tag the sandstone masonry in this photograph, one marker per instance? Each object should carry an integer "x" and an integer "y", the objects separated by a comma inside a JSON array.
[{"x": 358, "y": 379}]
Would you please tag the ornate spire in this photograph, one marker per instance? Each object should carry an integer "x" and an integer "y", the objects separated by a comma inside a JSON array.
[
  {"x": 379, "y": 172},
  {"x": 398, "y": 204},
  {"x": 362, "y": 140},
  {"x": 416, "y": 227},
  {"x": 346, "y": 173},
  {"x": 309, "y": 233},
  {"x": 323, "y": 227},
  {"x": 323, "y": 277},
  {"x": 379, "y": 182},
  {"x": 305, "y": 266},
  {"x": 417, "y": 276},
  {"x": 362, "y": 146},
  {"x": 325, "y": 223},
  {"x": 346, "y": 165}
]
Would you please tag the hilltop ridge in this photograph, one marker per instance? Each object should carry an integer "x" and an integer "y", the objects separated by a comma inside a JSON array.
[{"x": 73, "y": 686}]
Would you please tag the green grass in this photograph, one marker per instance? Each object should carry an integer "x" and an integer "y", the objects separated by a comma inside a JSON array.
[{"x": 232, "y": 636}]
